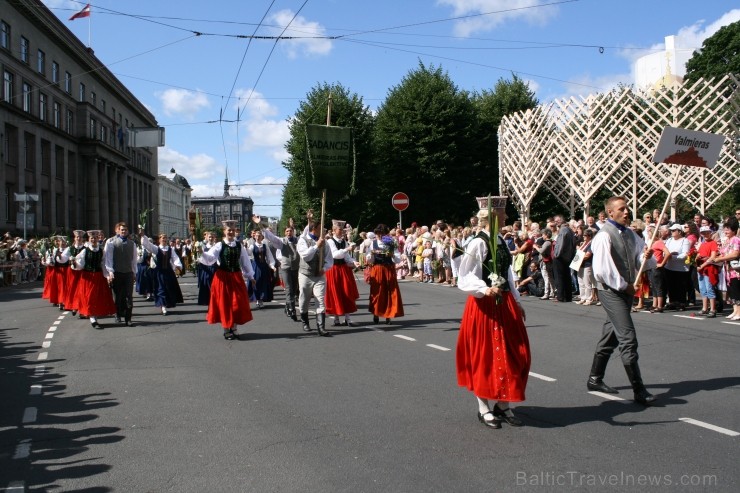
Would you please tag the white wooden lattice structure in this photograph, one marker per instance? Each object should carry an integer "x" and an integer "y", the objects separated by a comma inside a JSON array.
[{"x": 574, "y": 147}]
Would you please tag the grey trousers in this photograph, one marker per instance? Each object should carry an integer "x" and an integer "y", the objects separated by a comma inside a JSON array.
[
  {"x": 290, "y": 281},
  {"x": 309, "y": 286},
  {"x": 123, "y": 293},
  {"x": 619, "y": 330}
]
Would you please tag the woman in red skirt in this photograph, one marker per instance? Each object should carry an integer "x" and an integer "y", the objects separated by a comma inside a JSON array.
[
  {"x": 94, "y": 294},
  {"x": 73, "y": 274},
  {"x": 55, "y": 278},
  {"x": 385, "y": 297},
  {"x": 493, "y": 354},
  {"x": 341, "y": 286},
  {"x": 229, "y": 304}
]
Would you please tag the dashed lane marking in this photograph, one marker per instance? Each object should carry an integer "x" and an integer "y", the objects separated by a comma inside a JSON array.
[
  {"x": 405, "y": 338},
  {"x": 16, "y": 487},
  {"x": 57, "y": 322},
  {"x": 60, "y": 318},
  {"x": 606, "y": 396},
  {"x": 43, "y": 356},
  {"x": 542, "y": 377},
  {"x": 708, "y": 426},
  {"x": 441, "y": 348},
  {"x": 731, "y": 323},
  {"x": 30, "y": 414},
  {"x": 46, "y": 344},
  {"x": 52, "y": 329},
  {"x": 50, "y": 335},
  {"x": 35, "y": 390},
  {"x": 23, "y": 449}
]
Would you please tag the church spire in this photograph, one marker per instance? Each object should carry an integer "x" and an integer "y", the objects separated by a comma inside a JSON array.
[{"x": 226, "y": 184}]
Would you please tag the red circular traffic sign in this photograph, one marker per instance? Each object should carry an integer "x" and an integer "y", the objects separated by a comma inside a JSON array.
[{"x": 400, "y": 201}]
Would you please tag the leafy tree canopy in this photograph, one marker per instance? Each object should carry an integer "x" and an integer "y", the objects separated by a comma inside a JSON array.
[{"x": 719, "y": 55}]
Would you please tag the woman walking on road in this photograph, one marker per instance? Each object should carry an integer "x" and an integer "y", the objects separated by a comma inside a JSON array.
[{"x": 493, "y": 355}]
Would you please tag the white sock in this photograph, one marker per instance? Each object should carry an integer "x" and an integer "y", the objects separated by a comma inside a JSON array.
[
  {"x": 347, "y": 319},
  {"x": 93, "y": 320},
  {"x": 483, "y": 407}
]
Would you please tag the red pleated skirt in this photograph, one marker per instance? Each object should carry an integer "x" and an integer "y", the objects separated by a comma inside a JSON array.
[
  {"x": 229, "y": 304},
  {"x": 57, "y": 284},
  {"x": 48, "y": 275},
  {"x": 94, "y": 296},
  {"x": 341, "y": 290},
  {"x": 493, "y": 356},
  {"x": 71, "y": 301},
  {"x": 385, "y": 297}
]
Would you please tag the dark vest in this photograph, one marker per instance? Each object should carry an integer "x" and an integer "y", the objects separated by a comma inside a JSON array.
[
  {"x": 503, "y": 260},
  {"x": 340, "y": 246},
  {"x": 622, "y": 252},
  {"x": 228, "y": 258},
  {"x": 312, "y": 268},
  {"x": 123, "y": 254},
  {"x": 291, "y": 260},
  {"x": 386, "y": 253},
  {"x": 163, "y": 259},
  {"x": 93, "y": 260}
]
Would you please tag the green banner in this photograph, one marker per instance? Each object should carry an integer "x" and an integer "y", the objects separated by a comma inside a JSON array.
[{"x": 330, "y": 160}]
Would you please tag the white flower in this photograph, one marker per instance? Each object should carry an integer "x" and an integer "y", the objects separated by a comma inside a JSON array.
[{"x": 496, "y": 280}]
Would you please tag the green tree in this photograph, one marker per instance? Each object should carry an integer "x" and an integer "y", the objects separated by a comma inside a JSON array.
[
  {"x": 507, "y": 97},
  {"x": 424, "y": 145},
  {"x": 348, "y": 110},
  {"x": 719, "y": 55}
]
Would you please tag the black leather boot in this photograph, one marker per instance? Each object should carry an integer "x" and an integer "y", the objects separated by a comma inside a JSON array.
[
  {"x": 292, "y": 312},
  {"x": 642, "y": 396},
  {"x": 320, "y": 321},
  {"x": 596, "y": 378},
  {"x": 306, "y": 325}
]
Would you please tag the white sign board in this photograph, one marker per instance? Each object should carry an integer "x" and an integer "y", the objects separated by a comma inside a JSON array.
[
  {"x": 146, "y": 137},
  {"x": 688, "y": 148}
]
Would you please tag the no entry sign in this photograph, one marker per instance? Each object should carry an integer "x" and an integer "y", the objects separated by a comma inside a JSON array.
[{"x": 400, "y": 201}]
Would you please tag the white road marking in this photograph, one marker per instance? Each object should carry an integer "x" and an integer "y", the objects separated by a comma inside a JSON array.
[
  {"x": 65, "y": 313},
  {"x": 708, "y": 426},
  {"x": 40, "y": 370},
  {"x": 690, "y": 317},
  {"x": 50, "y": 335},
  {"x": 52, "y": 329},
  {"x": 43, "y": 356},
  {"x": 441, "y": 348},
  {"x": 542, "y": 377},
  {"x": 56, "y": 322},
  {"x": 611, "y": 397},
  {"x": 35, "y": 389},
  {"x": 29, "y": 415},
  {"x": 61, "y": 318},
  {"x": 405, "y": 338},
  {"x": 731, "y": 323},
  {"x": 16, "y": 487},
  {"x": 46, "y": 344},
  {"x": 23, "y": 449}
]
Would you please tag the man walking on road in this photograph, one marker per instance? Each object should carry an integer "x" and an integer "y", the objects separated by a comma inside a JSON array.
[
  {"x": 120, "y": 264},
  {"x": 565, "y": 250},
  {"x": 617, "y": 254}
]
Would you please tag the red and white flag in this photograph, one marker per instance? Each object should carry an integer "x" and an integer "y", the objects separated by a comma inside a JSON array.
[{"x": 85, "y": 12}]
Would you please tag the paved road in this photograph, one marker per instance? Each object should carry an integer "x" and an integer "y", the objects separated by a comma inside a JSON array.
[{"x": 169, "y": 405}]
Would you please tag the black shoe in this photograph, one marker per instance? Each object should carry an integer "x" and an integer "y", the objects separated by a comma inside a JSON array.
[
  {"x": 118, "y": 319},
  {"x": 644, "y": 397},
  {"x": 336, "y": 323},
  {"x": 81, "y": 316},
  {"x": 61, "y": 307},
  {"x": 375, "y": 319},
  {"x": 511, "y": 419},
  {"x": 74, "y": 312},
  {"x": 387, "y": 321},
  {"x": 129, "y": 323},
  {"x": 598, "y": 385},
  {"x": 229, "y": 335},
  {"x": 495, "y": 423},
  {"x": 306, "y": 324},
  {"x": 96, "y": 325}
]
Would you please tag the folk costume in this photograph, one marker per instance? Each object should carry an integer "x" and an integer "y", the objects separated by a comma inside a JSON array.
[
  {"x": 71, "y": 301},
  {"x": 314, "y": 262},
  {"x": 167, "y": 293},
  {"x": 618, "y": 253},
  {"x": 144, "y": 274},
  {"x": 264, "y": 271},
  {"x": 341, "y": 286},
  {"x": 56, "y": 271},
  {"x": 385, "y": 296},
  {"x": 229, "y": 303},
  {"x": 205, "y": 275},
  {"x": 95, "y": 298},
  {"x": 287, "y": 252},
  {"x": 120, "y": 264},
  {"x": 492, "y": 355}
]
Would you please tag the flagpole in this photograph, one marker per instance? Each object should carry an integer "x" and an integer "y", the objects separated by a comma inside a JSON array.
[{"x": 323, "y": 192}]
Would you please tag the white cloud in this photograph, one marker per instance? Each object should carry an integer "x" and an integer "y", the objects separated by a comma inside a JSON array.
[
  {"x": 585, "y": 84},
  {"x": 306, "y": 33},
  {"x": 256, "y": 104},
  {"x": 263, "y": 131},
  {"x": 530, "y": 11},
  {"x": 183, "y": 102},
  {"x": 534, "y": 86},
  {"x": 199, "y": 167}
]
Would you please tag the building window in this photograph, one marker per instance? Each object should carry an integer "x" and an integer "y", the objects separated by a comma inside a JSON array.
[
  {"x": 102, "y": 105},
  {"x": 59, "y": 158},
  {"x": 45, "y": 157},
  {"x": 8, "y": 201},
  {"x": 56, "y": 109},
  {"x": 70, "y": 121},
  {"x": 45, "y": 206},
  {"x": 41, "y": 62},
  {"x": 43, "y": 103},
  {"x": 60, "y": 211},
  {"x": 82, "y": 92},
  {"x": 29, "y": 154},
  {"x": 93, "y": 98},
  {"x": 26, "y": 97},
  {"x": 93, "y": 128},
  {"x": 71, "y": 167},
  {"x": 68, "y": 82},
  {"x": 7, "y": 87},
  {"x": 24, "y": 49},
  {"x": 5, "y": 35},
  {"x": 55, "y": 72}
]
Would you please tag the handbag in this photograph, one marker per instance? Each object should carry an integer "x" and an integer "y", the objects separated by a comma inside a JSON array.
[
  {"x": 735, "y": 265},
  {"x": 575, "y": 264}
]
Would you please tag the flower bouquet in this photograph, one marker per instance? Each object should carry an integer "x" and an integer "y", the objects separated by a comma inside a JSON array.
[{"x": 143, "y": 217}]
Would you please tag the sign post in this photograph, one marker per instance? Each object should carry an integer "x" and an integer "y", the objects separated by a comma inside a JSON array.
[{"x": 400, "y": 202}]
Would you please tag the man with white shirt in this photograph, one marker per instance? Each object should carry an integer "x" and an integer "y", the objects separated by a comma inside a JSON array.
[
  {"x": 315, "y": 260},
  {"x": 120, "y": 265},
  {"x": 617, "y": 255}
]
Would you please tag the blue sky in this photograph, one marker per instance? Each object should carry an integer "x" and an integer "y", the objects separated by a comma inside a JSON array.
[{"x": 562, "y": 48}]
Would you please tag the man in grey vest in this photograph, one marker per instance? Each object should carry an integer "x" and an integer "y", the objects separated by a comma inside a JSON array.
[
  {"x": 120, "y": 264},
  {"x": 287, "y": 246},
  {"x": 314, "y": 262},
  {"x": 617, "y": 254}
]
